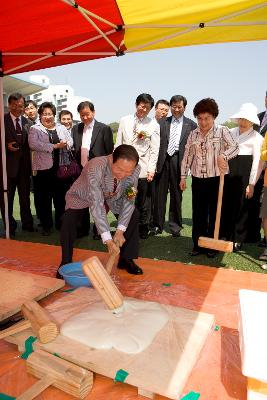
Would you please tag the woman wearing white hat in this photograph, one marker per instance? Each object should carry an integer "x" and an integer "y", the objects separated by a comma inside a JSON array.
[{"x": 243, "y": 174}]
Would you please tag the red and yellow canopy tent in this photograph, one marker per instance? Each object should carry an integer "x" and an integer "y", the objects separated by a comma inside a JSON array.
[{"x": 42, "y": 34}]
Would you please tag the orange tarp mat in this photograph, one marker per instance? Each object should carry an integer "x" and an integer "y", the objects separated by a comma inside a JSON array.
[{"x": 217, "y": 373}]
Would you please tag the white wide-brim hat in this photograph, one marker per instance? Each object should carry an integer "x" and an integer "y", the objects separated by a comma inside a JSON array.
[{"x": 247, "y": 111}]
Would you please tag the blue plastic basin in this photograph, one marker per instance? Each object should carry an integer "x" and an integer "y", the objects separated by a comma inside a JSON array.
[{"x": 73, "y": 275}]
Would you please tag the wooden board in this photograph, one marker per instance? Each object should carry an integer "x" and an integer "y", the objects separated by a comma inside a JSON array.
[
  {"x": 163, "y": 368},
  {"x": 18, "y": 287}
]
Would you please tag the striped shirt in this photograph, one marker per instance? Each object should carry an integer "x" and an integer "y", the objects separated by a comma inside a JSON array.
[
  {"x": 93, "y": 188},
  {"x": 202, "y": 151}
]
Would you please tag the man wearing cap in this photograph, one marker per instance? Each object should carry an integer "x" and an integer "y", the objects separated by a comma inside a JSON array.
[{"x": 242, "y": 177}]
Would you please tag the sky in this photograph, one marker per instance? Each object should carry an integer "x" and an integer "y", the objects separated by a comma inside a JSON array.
[{"x": 231, "y": 73}]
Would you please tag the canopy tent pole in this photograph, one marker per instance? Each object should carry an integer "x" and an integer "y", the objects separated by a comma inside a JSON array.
[{"x": 3, "y": 147}]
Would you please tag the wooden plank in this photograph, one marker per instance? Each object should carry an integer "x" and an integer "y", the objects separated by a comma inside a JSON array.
[
  {"x": 163, "y": 368},
  {"x": 18, "y": 287},
  {"x": 146, "y": 393}
]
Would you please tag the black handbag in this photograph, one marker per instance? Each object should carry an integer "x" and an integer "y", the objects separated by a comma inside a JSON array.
[{"x": 68, "y": 166}]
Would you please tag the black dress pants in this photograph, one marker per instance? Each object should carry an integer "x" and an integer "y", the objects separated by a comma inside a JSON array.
[
  {"x": 22, "y": 183},
  {"x": 254, "y": 220},
  {"x": 143, "y": 204},
  {"x": 72, "y": 221},
  {"x": 49, "y": 188},
  {"x": 204, "y": 206},
  {"x": 234, "y": 221},
  {"x": 169, "y": 178}
]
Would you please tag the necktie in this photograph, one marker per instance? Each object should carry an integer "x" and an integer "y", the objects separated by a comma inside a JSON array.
[
  {"x": 172, "y": 142},
  {"x": 84, "y": 156},
  {"x": 18, "y": 131},
  {"x": 264, "y": 121},
  {"x": 86, "y": 140},
  {"x": 115, "y": 185}
]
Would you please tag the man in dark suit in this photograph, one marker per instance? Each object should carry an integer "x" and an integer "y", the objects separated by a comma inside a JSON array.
[
  {"x": 90, "y": 139},
  {"x": 18, "y": 161},
  {"x": 174, "y": 132}
]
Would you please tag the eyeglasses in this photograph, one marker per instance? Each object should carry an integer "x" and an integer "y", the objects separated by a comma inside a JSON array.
[{"x": 47, "y": 115}]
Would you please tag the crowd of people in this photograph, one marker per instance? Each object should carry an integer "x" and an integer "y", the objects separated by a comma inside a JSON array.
[{"x": 76, "y": 169}]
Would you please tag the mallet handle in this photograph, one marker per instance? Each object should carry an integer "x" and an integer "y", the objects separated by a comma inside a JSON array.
[
  {"x": 12, "y": 330},
  {"x": 219, "y": 208},
  {"x": 111, "y": 259},
  {"x": 37, "y": 388}
]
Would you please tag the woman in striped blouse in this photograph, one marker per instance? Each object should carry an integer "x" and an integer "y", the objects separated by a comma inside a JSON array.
[{"x": 207, "y": 151}]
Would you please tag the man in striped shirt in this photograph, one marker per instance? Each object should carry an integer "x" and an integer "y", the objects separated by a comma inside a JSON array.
[{"x": 106, "y": 183}]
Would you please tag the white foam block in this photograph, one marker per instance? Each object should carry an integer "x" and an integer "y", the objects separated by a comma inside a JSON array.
[
  {"x": 255, "y": 395},
  {"x": 253, "y": 333}
]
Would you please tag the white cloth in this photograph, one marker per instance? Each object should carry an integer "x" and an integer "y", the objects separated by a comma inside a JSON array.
[
  {"x": 86, "y": 142},
  {"x": 250, "y": 143}
]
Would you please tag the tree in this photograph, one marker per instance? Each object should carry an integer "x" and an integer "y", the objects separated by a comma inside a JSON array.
[
  {"x": 114, "y": 126},
  {"x": 230, "y": 124}
]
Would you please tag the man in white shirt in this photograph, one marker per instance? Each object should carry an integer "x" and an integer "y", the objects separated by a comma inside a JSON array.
[
  {"x": 90, "y": 139},
  {"x": 142, "y": 132}
]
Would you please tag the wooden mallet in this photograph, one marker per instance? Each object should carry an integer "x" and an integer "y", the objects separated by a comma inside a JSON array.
[
  {"x": 42, "y": 324},
  {"x": 57, "y": 372},
  {"x": 102, "y": 282},
  {"x": 36, "y": 318},
  {"x": 214, "y": 243}
]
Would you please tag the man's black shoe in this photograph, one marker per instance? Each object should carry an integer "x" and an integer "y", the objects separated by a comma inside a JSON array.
[
  {"x": 28, "y": 228},
  {"x": 143, "y": 235},
  {"x": 155, "y": 231},
  {"x": 129, "y": 266},
  {"x": 176, "y": 234},
  {"x": 262, "y": 243},
  {"x": 211, "y": 253},
  {"x": 46, "y": 232},
  {"x": 237, "y": 247},
  {"x": 12, "y": 234},
  {"x": 196, "y": 251}
]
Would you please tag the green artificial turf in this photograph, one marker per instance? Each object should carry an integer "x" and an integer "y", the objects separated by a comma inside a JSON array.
[{"x": 162, "y": 247}]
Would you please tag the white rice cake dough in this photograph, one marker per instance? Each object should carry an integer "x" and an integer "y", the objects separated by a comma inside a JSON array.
[{"x": 130, "y": 331}]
